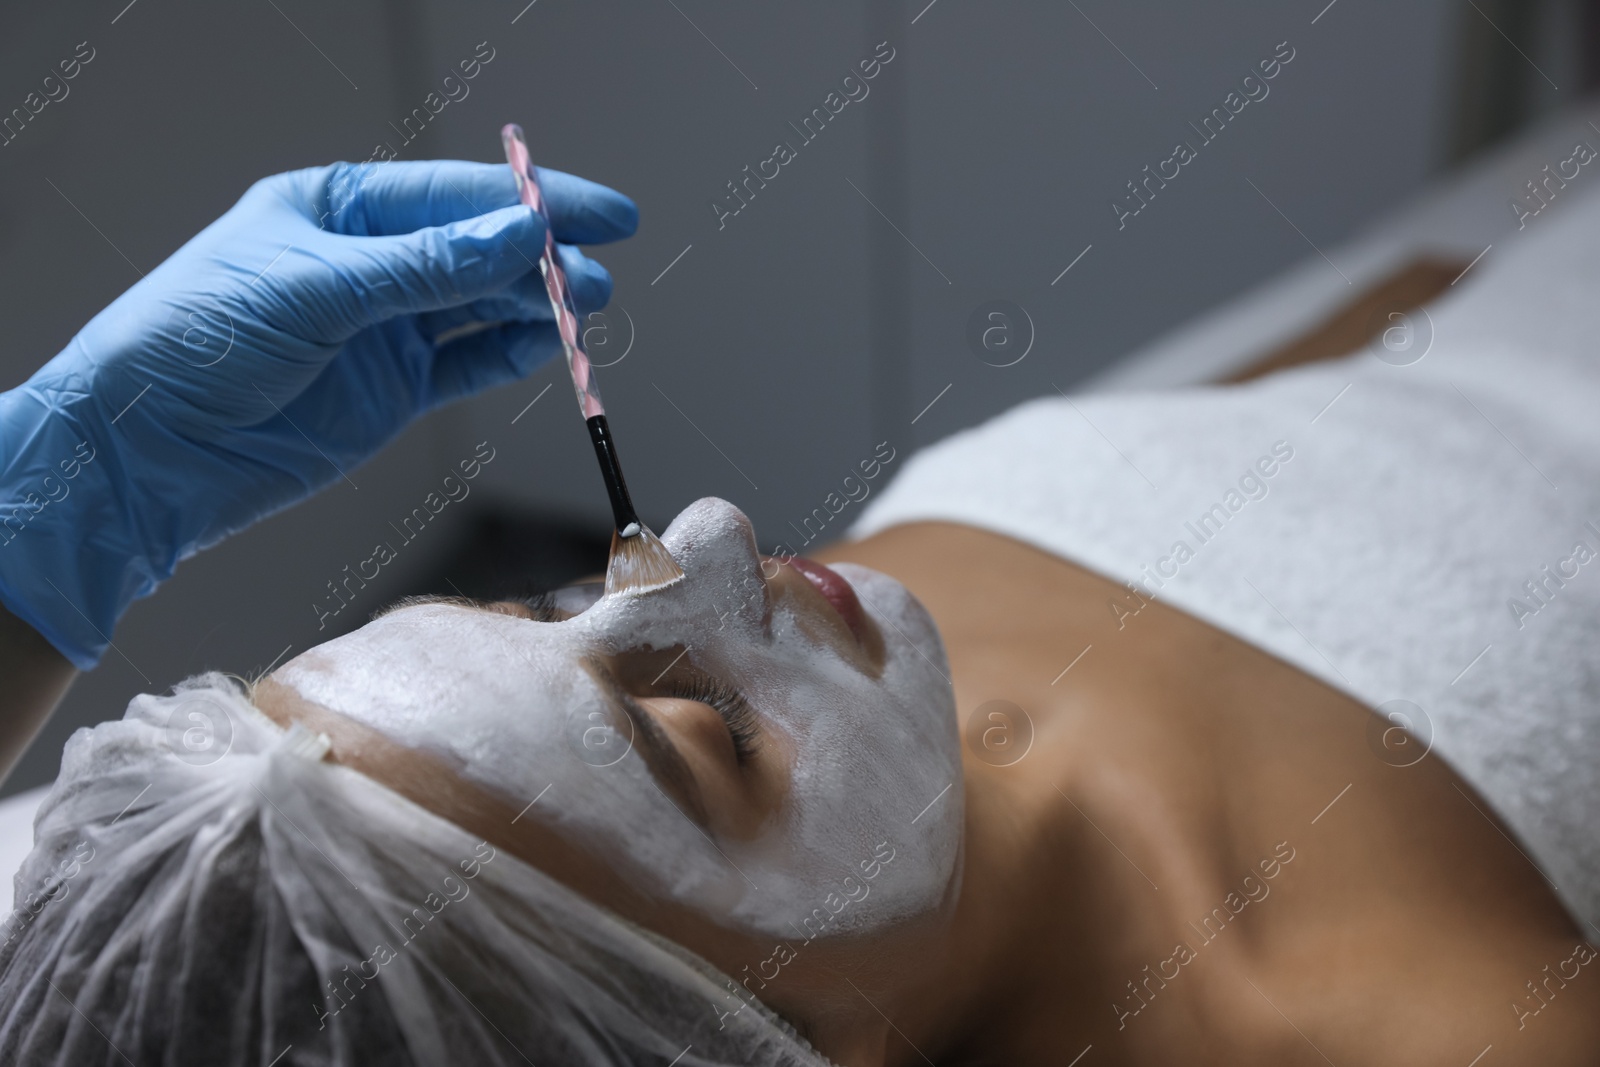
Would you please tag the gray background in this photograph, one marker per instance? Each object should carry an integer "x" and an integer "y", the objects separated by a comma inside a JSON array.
[{"x": 826, "y": 316}]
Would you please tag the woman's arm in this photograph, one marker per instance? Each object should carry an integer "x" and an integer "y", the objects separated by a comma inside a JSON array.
[{"x": 36, "y": 678}]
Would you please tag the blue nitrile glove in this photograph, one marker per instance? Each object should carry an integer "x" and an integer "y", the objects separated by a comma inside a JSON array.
[{"x": 265, "y": 359}]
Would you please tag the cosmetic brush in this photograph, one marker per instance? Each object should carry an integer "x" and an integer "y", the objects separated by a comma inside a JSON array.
[{"x": 639, "y": 561}]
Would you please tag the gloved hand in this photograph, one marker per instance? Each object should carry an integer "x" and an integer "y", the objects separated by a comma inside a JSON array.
[{"x": 266, "y": 358}]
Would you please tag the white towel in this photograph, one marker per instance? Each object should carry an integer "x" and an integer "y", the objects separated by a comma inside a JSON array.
[{"x": 1429, "y": 533}]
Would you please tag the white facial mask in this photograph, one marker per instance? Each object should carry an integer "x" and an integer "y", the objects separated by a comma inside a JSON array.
[{"x": 876, "y": 769}]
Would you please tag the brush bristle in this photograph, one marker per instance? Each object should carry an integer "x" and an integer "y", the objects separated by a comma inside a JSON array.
[{"x": 640, "y": 564}]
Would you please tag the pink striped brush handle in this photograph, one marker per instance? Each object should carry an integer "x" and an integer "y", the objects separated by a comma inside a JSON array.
[{"x": 555, "y": 279}]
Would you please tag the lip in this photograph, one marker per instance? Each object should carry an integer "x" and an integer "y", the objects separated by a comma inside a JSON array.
[{"x": 836, "y": 591}]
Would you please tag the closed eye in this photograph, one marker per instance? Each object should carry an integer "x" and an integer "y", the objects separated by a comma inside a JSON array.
[
  {"x": 541, "y": 607},
  {"x": 559, "y": 605},
  {"x": 744, "y": 725}
]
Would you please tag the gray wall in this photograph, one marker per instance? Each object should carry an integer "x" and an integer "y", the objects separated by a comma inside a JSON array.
[{"x": 820, "y": 320}]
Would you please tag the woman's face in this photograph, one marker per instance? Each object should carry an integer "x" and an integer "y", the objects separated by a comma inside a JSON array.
[{"x": 773, "y": 746}]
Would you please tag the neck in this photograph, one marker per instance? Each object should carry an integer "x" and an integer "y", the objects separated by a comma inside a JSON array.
[
  {"x": 1029, "y": 937},
  {"x": 1068, "y": 837},
  {"x": 1096, "y": 825}
]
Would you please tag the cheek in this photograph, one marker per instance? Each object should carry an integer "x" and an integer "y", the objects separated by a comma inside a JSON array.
[{"x": 844, "y": 741}]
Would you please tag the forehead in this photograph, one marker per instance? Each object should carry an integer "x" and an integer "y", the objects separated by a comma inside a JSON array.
[
  {"x": 420, "y": 658},
  {"x": 452, "y": 623}
]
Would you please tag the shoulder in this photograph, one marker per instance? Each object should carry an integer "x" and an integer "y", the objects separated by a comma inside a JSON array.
[{"x": 1537, "y": 1003}]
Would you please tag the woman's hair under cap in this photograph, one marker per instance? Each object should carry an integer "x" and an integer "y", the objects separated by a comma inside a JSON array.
[{"x": 204, "y": 888}]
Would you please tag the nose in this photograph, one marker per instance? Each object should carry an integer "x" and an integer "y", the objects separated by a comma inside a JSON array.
[
  {"x": 711, "y": 531},
  {"x": 715, "y": 544}
]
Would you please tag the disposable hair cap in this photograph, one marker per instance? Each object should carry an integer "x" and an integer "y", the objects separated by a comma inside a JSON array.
[{"x": 204, "y": 888}]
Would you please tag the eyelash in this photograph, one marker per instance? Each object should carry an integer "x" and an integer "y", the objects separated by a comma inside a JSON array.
[
  {"x": 743, "y": 724},
  {"x": 541, "y": 606}
]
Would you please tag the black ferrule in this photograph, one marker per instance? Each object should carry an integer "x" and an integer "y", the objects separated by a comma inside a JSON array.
[{"x": 605, "y": 449}]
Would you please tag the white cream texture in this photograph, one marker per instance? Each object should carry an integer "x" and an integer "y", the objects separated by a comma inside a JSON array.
[{"x": 506, "y": 700}]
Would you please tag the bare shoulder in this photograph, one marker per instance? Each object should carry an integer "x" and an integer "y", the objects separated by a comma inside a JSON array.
[
  {"x": 1535, "y": 1003},
  {"x": 1553, "y": 1017},
  {"x": 1410, "y": 928},
  {"x": 1412, "y": 931},
  {"x": 1538, "y": 1004}
]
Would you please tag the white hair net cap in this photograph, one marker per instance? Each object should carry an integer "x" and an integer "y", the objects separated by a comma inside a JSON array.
[{"x": 203, "y": 888}]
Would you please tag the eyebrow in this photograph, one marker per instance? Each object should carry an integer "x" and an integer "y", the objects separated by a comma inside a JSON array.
[
  {"x": 532, "y": 604},
  {"x": 432, "y": 598},
  {"x": 657, "y": 748}
]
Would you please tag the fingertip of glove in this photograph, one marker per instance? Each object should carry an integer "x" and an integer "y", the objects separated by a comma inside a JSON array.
[
  {"x": 588, "y": 279},
  {"x": 622, "y": 213},
  {"x": 596, "y": 294}
]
